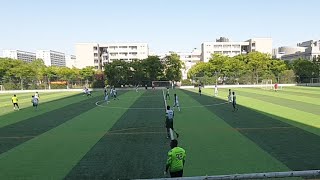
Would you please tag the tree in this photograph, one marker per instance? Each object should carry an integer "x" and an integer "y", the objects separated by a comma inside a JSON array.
[
  {"x": 173, "y": 66},
  {"x": 305, "y": 70},
  {"x": 153, "y": 68},
  {"x": 87, "y": 74},
  {"x": 118, "y": 73}
]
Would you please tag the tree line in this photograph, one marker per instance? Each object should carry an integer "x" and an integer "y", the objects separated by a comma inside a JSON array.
[
  {"x": 17, "y": 74},
  {"x": 143, "y": 72},
  {"x": 252, "y": 68}
]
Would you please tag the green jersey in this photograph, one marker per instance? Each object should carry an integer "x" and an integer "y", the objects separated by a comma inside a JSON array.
[{"x": 176, "y": 158}]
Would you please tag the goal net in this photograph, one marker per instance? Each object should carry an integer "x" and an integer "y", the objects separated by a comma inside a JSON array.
[
  {"x": 315, "y": 81},
  {"x": 266, "y": 84},
  {"x": 1, "y": 88},
  {"x": 162, "y": 84}
]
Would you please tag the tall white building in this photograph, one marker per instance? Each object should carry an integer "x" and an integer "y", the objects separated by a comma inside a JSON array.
[
  {"x": 21, "y": 55},
  {"x": 229, "y": 48},
  {"x": 52, "y": 58},
  {"x": 97, "y": 55},
  {"x": 71, "y": 61}
]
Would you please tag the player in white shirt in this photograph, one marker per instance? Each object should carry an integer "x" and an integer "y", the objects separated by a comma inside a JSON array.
[
  {"x": 36, "y": 95},
  {"x": 115, "y": 94},
  {"x": 167, "y": 94},
  {"x": 35, "y": 102},
  {"x": 176, "y": 102},
  {"x": 106, "y": 96},
  {"x": 216, "y": 90},
  {"x": 230, "y": 96},
  {"x": 137, "y": 88},
  {"x": 169, "y": 121}
]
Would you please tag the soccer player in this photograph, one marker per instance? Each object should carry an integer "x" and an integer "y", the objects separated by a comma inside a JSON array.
[
  {"x": 115, "y": 94},
  {"x": 14, "y": 100},
  {"x": 35, "y": 102},
  {"x": 153, "y": 87},
  {"x": 36, "y": 95},
  {"x": 234, "y": 102},
  {"x": 200, "y": 89},
  {"x": 137, "y": 88},
  {"x": 176, "y": 160},
  {"x": 169, "y": 121},
  {"x": 215, "y": 90},
  {"x": 230, "y": 96},
  {"x": 176, "y": 102},
  {"x": 167, "y": 94},
  {"x": 106, "y": 96},
  {"x": 275, "y": 87},
  {"x": 88, "y": 92}
]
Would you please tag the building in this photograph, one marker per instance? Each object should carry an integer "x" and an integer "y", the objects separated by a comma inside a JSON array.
[
  {"x": 97, "y": 55},
  {"x": 52, "y": 58},
  {"x": 306, "y": 50},
  {"x": 188, "y": 58},
  {"x": 71, "y": 61},
  {"x": 21, "y": 55},
  {"x": 230, "y": 48}
]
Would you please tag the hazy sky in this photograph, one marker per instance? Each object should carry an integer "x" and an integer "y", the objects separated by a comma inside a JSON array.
[{"x": 178, "y": 25}]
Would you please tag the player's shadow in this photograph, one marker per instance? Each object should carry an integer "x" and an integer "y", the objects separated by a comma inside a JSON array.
[{"x": 288, "y": 141}]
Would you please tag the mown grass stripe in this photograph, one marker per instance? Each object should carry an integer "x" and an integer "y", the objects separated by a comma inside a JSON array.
[
  {"x": 304, "y": 106},
  {"x": 52, "y": 154},
  {"x": 304, "y": 120},
  {"x": 37, "y": 125},
  {"x": 49, "y": 104},
  {"x": 284, "y": 95},
  {"x": 214, "y": 147},
  {"x": 128, "y": 156},
  {"x": 289, "y": 146}
]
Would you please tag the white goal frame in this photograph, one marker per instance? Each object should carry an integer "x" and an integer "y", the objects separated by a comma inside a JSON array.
[
  {"x": 169, "y": 83},
  {"x": 2, "y": 88},
  {"x": 266, "y": 84}
]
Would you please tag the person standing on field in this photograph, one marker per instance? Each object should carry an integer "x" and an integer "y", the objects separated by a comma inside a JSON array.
[{"x": 176, "y": 160}]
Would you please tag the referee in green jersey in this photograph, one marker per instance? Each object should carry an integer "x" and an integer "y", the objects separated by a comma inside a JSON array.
[{"x": 176, "y": 160}]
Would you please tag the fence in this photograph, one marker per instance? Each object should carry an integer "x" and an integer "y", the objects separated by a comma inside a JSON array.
[{"x": 303, "y": 174}]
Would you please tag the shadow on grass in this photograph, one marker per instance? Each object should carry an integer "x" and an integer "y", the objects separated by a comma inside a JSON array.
[
  {"x": 296, "y": 148},
  {"x": 127, "y": 150},
  {"x": 15, "y": 134}
]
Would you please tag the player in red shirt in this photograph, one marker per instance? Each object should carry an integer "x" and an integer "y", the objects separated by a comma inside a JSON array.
[{"x": 276, "y": 87}]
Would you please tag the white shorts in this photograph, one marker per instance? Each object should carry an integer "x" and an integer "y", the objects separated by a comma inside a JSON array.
[{"x": 176, "y": 104}]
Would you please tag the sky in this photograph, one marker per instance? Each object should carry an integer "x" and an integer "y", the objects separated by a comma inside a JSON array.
[{"x": 167, "y": 25}]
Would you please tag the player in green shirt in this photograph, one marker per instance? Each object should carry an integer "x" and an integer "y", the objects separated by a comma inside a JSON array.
[{"x": 176, "y": 160}]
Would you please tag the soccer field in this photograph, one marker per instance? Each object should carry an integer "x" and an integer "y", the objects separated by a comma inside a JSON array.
[{"x": 72, "y": 136}]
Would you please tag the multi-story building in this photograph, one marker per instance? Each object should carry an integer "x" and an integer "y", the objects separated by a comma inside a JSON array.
[
  {"x": 21, "y": 55},
  {"x": 309, "y": 50},
  {"x": 52, "y": 58},
  {"x": 229, "y": 48},
  {"x": 188, "y": 58},
  {"x": 97, "y": 55},
  {"x": 71, "y": 61}
]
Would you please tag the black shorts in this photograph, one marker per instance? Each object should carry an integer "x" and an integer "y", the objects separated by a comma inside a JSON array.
[
  {"x": 169, "y": 123},
  {"x": 35, "y": 104},
  {"x": 176, "y": 174},
  {"x": 15, "y": 104}
]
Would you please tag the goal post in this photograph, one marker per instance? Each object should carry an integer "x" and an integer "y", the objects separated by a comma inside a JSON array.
[
  {"x": 266, "y": 84},
  {"x": 2, "y": 88},
  {"x": 162, "y": 84},
  {"x": 315, "y": 81}
]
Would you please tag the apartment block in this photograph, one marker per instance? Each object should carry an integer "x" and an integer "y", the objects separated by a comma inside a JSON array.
[
  {"x": 230, "y": 48},
  {"x": 71, "y": 61},
  {"x": 97, "y": 55},
  {"x": 52, "y": 58},
  {"x": 18, "y": 54},
  {"x": 309, "y": 50}
]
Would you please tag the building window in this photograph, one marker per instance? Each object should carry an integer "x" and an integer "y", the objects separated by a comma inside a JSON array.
[
  {"x": 96, "y": 67},
  {"x": 123, "y": 47},
  {"x": 253, "y": 44},
  {"x": 95, "y": 54},
  {"x": 95, "y": 48}
]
